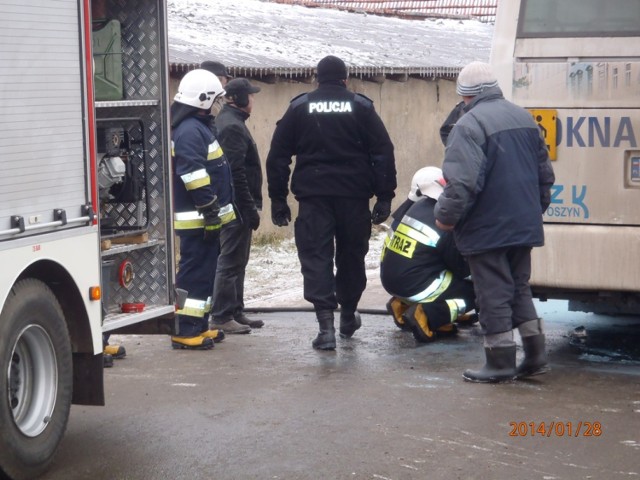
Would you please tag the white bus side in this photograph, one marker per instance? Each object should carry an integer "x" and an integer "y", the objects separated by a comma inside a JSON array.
[{"x": 575, "y": 64}]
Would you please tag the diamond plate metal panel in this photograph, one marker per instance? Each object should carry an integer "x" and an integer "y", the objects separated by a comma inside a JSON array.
[{"x": 142, "y": 80}]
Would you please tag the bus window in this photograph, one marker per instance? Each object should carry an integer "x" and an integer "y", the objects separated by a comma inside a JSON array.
[{"x": 579, "y": 18}]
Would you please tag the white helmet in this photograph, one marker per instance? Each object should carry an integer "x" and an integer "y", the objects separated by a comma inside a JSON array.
[
  {"x": 199, "y": 88},
  {"x": 428, "y": 182}
]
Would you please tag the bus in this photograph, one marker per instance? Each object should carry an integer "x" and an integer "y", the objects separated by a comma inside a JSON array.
[{"x": 575, "y": 65}]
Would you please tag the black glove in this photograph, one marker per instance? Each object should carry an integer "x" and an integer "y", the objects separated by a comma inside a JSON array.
[
  {"x": 251, "y": 218},
  {"x": 381, "y": 211},
  {"x": 280, "y": 212},
  {"x": 212, "y": 222}
]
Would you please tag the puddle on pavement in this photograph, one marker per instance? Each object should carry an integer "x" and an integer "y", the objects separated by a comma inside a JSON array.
[{"x": 607, "y": 343}]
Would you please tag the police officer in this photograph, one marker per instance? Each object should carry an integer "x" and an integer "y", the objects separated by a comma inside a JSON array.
[
  {"x": 422, "y": 267},
  {"x": 344, "y": 156},
  {"x": 203, "y": 195}
]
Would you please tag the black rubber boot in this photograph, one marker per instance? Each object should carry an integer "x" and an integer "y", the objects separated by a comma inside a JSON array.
[
  {"x": 349, "y": 323},
  {"x": 326, "y": 339},
  {"x": 535, "y": 357},
  {"x": 500, "y": 366}
]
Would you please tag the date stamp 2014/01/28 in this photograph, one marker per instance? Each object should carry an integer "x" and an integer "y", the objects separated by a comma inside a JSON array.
[{"x": 555, "y": 429}]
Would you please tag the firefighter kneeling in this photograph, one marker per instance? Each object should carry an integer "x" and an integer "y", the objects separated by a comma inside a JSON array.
[{"x": 422, "y": 267}]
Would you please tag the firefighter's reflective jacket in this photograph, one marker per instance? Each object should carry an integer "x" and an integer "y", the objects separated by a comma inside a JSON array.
[
  {"x": 419, "y": 260},
  {"x": 201, "y": 174}
]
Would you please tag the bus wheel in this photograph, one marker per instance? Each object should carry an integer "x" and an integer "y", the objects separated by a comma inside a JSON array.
[{"x": 36, "y": 379}]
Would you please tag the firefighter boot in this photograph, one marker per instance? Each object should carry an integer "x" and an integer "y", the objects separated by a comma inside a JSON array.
[
  {"x": 192, "y": 343},
  {"x": 326, "y": 339},
  {"x": 397, "y": 308},
  {"x": 349, "y": 323},
  {"x": 116, "y": 351},
  {"x": 416, "y": 318},
  {"x": 535, "y": 357},
  {"x": 500, "y": 366},
  {"x": 107, "y": 360},
  {"x": 214, "y": 334}
]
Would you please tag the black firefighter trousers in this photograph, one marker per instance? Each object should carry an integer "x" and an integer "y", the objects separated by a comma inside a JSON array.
[{"x": 329, "y": 228}]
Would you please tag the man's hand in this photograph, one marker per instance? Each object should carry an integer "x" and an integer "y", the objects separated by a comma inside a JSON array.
[
  {"x": 251, "y": 218},
  {"x": 280, "y": 212},
  {"x": 381, "y": 211},
  {"x": 442, "y": 226},
  {"x": 212, "y": 222}
]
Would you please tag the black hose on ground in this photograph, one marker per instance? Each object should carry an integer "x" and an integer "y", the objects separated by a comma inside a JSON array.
[{"x": 367, "y": 311}]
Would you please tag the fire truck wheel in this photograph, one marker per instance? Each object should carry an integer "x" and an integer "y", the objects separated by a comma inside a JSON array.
[{"x": 36, "y": 379}]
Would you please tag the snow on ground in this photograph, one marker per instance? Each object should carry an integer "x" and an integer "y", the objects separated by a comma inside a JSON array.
[{"x": 273, "y": 275}]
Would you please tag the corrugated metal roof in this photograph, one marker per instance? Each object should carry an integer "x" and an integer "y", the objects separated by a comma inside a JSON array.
[
  {"x": 484, "y": 10},
  {"x": 258, "y": 39}
]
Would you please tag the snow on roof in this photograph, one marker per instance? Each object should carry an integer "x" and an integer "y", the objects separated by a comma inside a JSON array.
[
  {"x": 484, "y": 10},
  {"x": 257, "y": 38}
]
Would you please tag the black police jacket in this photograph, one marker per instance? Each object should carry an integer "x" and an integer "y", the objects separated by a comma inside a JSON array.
[{"x": 342, "y": 148}]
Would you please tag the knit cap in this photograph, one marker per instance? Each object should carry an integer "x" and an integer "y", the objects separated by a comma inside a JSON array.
[
  {"x": 331, "y": 68},
  {"x": 475, "y": 78}
]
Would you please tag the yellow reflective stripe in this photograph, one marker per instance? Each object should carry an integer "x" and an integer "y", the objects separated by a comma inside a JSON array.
[
  {"x": 197, "y": 179},
  {"x": 416, "y": 235},
  {"x": 193, "y": 308},
  {"x": 191, "y": 220},
  {"x": 423, "y": 228},
  {"x": 173, "y": 149},
  {"x": 402, "y": 245},
  {"x": 215, "y": 151},
  {"x": 457, "y": 307},
  {"x": 434, "y": 290},
  {"x": 385, "y": 246}
]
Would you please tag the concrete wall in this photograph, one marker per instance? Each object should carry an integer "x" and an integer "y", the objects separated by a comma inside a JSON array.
[{"x": 412, "y": 111}]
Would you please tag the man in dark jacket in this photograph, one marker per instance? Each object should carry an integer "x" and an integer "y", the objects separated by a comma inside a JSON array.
[
  {"x": 235, "y": 242},
  {"x": 203, "y": 202},
  {"x": 499, "y": 178},
  {"x": 344, "y": 156},
  {"x": 422, "y": 267}
]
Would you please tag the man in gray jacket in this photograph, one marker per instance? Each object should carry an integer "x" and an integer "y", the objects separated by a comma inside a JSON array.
[{"x": 499, "y": 179}]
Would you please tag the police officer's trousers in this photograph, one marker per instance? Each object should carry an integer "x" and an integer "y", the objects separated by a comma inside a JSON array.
[{"x": 328, "y": 228}]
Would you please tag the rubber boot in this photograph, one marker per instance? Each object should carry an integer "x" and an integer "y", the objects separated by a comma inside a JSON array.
[
  {"x": 500, "y": 366},
  {"x": 326, "y": 339},
  {"x": 535, "y": 357},
  {"x": 349, "y": 323}
]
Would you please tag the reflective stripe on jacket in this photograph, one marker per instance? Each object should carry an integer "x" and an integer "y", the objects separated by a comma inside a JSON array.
[{"x": 201, "y": 174}]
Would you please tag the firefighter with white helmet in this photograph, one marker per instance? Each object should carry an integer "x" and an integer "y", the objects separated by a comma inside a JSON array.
[
  {"x": 422, "y": 268},
  {"x": 203, "y": 203}
]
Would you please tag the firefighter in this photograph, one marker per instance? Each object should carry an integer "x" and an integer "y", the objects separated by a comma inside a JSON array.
[
  {"x": 344, "y": 156},
  {"x": 422, "y": 268},
  {"x": 203, "y": 203}
]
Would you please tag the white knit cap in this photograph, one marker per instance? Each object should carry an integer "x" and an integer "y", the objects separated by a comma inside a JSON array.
[{"x": 474, "y": 78}]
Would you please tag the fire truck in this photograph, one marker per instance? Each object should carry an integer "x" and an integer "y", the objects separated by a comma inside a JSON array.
[{"x": 86, "y": 239}]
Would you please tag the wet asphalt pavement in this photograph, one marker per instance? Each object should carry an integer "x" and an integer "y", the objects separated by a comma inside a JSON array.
[{"x": 268, "y": 406}]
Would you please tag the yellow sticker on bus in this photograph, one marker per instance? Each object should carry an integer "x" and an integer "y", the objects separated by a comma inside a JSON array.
[{"x": 547, "y": 121}]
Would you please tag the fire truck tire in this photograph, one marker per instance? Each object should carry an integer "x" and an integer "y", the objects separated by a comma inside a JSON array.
[{"x": 36, "y": 379}]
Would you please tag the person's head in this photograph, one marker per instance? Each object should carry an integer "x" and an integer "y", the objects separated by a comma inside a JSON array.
[
  {"x": 199, "y": 88},
  {"x": 240, "y": 93},
  {"x": 475, "y": 78},
  {"x": 331, "y": 69},
  {"x": 426, "y": 182},
  {"x": 218, "y": 69}
]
